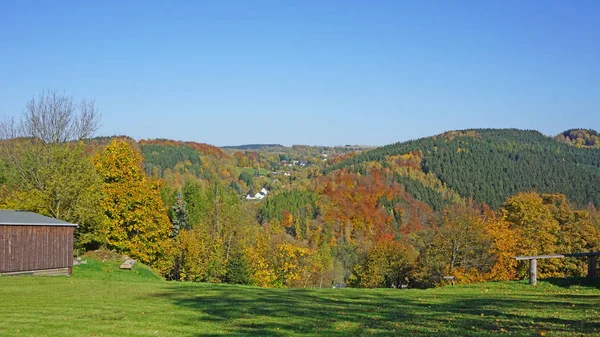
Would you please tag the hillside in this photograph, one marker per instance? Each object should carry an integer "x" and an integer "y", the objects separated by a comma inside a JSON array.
[
  {"x": 312, "y": 216},
  {"x": 101, "y": 300},
  {"x": 492, "y": 164},
  {"x": 252, "y": 147}
]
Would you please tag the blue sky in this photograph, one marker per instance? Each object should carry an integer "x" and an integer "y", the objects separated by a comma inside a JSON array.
[{"x": 308, "y": 72}]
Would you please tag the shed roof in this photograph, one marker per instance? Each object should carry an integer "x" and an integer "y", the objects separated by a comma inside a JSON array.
[{"x": 24, "y": 218}]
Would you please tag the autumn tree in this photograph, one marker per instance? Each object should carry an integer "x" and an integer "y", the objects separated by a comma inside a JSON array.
[
  {"x": 536, "y": 227},
  {"x": 43, "y": 171},
  {"x": 291, "y": 263},
  {"x": 388, "y": 263},
  {"x": 199, "y": 257},
  {"x": 460, "y": 246},
  {"x": 504, "y": 244},
  {"x": 57, "y": 180},
  {"x": 354, "y": 203},
  {"x": 580, "y": 234},
  {"x": 259, "y": 253},
  {"x": 577, "y": 232},
  {"x": 137, "y": 222}
]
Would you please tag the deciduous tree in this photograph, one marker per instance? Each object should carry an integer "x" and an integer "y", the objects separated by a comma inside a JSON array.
[
  {"x": 137, "y": 220},
  {"x": 389, "y": 263},
  {"x": 537, "y": 229}
]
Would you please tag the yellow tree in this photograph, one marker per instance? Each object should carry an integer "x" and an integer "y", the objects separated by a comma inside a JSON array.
[
  {"x": 504, "y": 242},
  {"x": 261, "y": 269},
  {"x": 291, "y": 263},
  {"x": 577, "y": 232},
  {"x": 536, "y": 227},
  {"x": 200, "y": 256},
  {"x": 137, "y": 220}
]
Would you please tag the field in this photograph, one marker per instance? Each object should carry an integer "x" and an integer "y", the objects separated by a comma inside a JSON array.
[
  {"x": 252, "y": 171},
  {"x": 100, "y": 300}
]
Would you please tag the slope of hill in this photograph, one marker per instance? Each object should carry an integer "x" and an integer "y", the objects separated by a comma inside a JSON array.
[
  {"x": 202, "y": 148},
  {"x": 161, "y": 157},
  {"x": 492, "y": 164},
  {"x": 253, "y": 147},
  {"x": 101, "y": 300}
]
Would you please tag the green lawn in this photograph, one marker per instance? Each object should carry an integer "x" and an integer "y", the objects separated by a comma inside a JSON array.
[
  {"x": 252, "y": 170},
  {"x": 100, "y": 300}
]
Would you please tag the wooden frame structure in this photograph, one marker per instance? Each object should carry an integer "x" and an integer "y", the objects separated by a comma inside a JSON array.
[
  {"x": 34, "y": 244},
  {"x": 591, "y": 256}
]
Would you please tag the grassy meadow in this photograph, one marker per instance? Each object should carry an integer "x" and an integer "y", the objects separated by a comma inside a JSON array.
[
  {"x": 101, "y": 300},
  {"x": 252, "y": 171}
]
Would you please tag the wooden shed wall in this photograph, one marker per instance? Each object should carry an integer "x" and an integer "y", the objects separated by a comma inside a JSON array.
[{"x": 25, "y": 248}]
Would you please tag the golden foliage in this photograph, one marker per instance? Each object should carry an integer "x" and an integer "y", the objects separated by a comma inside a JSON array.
[
  {"x": 137, "y": 222},
  {"x": 536, "y": 228}
]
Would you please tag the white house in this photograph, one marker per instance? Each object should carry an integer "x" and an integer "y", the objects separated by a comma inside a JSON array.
[{"x": 258, "y": 196}]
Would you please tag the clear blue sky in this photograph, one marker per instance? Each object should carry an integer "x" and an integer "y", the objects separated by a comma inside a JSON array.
[{"x": 308, "y": 72}]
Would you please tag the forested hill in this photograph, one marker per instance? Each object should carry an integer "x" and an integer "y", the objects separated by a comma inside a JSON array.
[
  {"x": 492, "y": 164},
  {"x": 251, "y": 146}
]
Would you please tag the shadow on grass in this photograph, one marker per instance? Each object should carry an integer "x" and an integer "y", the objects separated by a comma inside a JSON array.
[
  {"x": 351, "y": 312},
  {"x": 567, "y": 282}
]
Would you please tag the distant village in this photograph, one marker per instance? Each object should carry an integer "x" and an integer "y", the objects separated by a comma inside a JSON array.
[{"x": 284, "y": 163}]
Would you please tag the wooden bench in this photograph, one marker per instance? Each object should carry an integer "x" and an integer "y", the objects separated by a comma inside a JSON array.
[
  {"x": 592, "y": 275},
  {"x": 128, "y": 264}
]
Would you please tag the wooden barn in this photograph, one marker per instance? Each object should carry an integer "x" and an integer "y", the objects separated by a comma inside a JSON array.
[{"x": 34, "y": 244}]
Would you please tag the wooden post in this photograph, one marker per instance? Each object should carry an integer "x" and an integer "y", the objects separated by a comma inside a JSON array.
[
  {"x": 533, "y": 272},
  {"x": 592, "y": 276}
]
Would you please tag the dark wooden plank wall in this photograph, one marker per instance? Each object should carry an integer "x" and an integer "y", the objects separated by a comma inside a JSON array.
[{"x": 25, "y": 248}]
